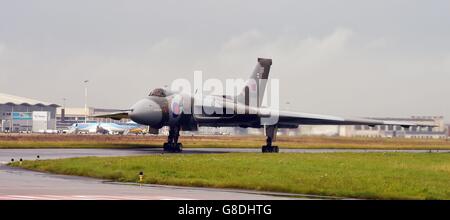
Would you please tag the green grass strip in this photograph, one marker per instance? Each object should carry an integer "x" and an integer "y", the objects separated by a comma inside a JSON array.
[{"x": 356, "y": 175}]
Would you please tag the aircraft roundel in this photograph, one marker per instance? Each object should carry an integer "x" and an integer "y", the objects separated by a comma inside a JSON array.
[
  {"x": 177, "y": 105},
  {"x": 252, "y": 86}
]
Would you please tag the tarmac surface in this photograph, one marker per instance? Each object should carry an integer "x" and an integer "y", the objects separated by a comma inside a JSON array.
[{"x": 20, "y": 184}]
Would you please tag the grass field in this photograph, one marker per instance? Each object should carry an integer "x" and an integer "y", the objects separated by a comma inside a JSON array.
[
  {"x": 106, "y": 141},
  {"x": 356, "y": 175}
]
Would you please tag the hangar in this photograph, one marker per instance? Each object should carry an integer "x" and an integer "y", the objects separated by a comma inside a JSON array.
[{"x": 19, "y": 114}]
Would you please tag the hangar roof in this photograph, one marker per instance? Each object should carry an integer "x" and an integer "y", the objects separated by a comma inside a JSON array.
[{"x": 16, "y": 100}]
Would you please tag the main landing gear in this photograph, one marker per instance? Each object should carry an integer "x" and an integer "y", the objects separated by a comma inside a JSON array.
[
  {"x": 172, "y": 144},
  {"x": 271, "y": 132}
]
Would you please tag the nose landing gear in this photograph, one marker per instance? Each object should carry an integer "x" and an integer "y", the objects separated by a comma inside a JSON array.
[{"x": 172, "y": 144}]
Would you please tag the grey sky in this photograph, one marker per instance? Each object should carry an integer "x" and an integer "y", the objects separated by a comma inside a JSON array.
[{"x": 360, "y": 58}]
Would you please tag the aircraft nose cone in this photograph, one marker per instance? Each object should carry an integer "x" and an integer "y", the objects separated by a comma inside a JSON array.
[{"x": 146, "y": 112}]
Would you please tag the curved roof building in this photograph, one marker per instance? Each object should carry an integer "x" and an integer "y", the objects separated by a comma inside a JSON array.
[
  {"x": 6, "y": 99},
  {"x": 19, "y": 114}
]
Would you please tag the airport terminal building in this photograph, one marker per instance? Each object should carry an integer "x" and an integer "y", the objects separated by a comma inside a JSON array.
[{"x": 19, "y": 114}]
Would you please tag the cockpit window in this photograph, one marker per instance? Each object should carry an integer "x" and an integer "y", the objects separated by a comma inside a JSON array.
[{"x": 158, "y": 92}]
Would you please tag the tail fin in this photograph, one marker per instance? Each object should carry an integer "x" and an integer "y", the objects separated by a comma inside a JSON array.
[{"x": 255, "y": 87}]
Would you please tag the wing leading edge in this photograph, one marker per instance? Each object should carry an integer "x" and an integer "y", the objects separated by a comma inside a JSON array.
[{"x": 297, "y": 118}]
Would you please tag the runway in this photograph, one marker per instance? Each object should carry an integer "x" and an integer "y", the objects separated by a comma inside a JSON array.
[{"x": 29, "y": 185}]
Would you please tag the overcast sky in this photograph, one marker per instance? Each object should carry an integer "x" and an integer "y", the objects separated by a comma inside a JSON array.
[{"x": 349, "y": 58}]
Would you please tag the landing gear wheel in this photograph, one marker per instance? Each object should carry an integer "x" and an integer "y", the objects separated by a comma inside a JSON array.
[
  {"x": 271, "y": 132},
  {"x": 178, "y": 148},
  {"x": 173, "y": 148},
  {"x": 275, "y": 149},
  {"x": 172, "y": 144},
  {"x": 270, "y": 149},
  {"x": 264, "y": 149},
  {"x": 167, "y": 147}
]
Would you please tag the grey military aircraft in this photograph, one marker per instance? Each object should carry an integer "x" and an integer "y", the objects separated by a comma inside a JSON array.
[{"x": 179, "y": 111}]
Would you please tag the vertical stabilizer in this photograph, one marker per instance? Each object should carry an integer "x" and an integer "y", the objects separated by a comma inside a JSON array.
[{"x": 254, "y": 89}]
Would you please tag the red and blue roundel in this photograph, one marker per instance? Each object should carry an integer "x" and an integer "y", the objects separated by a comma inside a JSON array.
[
  {"x": 252, "y": 86},
  {"x": 177, "y": 106}
]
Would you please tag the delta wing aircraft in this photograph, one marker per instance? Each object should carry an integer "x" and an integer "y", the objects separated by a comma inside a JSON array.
[{"x": 181, "y": 111}]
